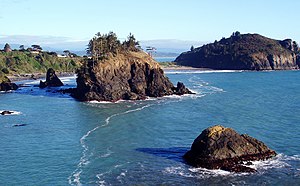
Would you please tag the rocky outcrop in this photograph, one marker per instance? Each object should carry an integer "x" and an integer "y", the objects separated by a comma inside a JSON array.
[
  {"x": 218, "y": 147},
  {"x": 6, "y": 86},
  {"x": 6, "y": 112},
  {"x": 243, "y": 52},
  {"x": 127, "y": 75},
  {"x": 51, "y": 80}
]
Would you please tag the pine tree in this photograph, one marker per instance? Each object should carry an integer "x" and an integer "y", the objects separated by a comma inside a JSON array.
[{"x": 7, "y": 48}]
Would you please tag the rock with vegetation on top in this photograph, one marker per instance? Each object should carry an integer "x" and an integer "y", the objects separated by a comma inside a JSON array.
[
  {"x": 51, "y": 80},
  {"x": 244, "y": 52},
  {"x": 121, "y": 71},
  {"x": 223, "y": 148}
]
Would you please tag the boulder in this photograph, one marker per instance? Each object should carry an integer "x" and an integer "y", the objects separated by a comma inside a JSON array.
[
  {"x": 6, "y": 86},
  {"x": 223, "y": 148},
  {"x": 51, "y": 80}
]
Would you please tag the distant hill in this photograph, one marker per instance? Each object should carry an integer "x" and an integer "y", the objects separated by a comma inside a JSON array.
[{"x": 244, "y": 52}]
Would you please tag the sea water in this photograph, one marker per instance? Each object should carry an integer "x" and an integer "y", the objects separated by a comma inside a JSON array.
[{"x": 66, "y": 142}]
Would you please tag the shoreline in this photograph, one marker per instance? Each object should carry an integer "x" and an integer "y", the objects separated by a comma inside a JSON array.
[
  {"x": 36, "y": 76},
  {"x": 175, "y": 67}
]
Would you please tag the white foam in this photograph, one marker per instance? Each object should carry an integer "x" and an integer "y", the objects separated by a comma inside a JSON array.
[
  {"x": 200, "y": 71},
  {"x": 13, "y": 112}
]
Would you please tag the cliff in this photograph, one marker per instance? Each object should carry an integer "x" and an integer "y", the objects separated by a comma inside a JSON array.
[
  {"x": 243, "y": 52},
  {"x": 127, "y": 75}
]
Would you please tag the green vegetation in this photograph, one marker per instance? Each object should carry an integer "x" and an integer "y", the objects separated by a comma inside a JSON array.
[
  {"x": 100, "y": 46},
  {"x": 25, "y": 61}
]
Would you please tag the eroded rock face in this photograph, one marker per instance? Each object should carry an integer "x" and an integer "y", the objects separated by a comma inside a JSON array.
[
  {"x": 127, "y": 76},
  {"x": 218, "y": 147},
  {"x": 51, "y": 80}
]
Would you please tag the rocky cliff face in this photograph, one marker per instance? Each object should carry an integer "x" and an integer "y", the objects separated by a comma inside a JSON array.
[
  {"x": 243, "y": 52},
  {"x": 218, "y": 147},
  {"x": 127, "y": 75}
]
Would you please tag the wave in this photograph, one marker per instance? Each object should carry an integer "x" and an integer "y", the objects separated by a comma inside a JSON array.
[
  {"x": 84, "y": 159},
  {"x": 281, "y": 162},
  {"x": 200, "y": 71},
  {"x": 202, "y": 87},
  {"x": 13, "y": 112}
]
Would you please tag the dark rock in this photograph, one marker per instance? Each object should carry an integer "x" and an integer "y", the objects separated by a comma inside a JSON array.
[
  {"x": 243, "y": 52},
  {"x": 19, "y": 125},
  {"x": 218, "y": 147},
  {"x": 128, "y": 76},
  {"x": 181, "y": 89},
  {"x": 6, "y": 112},
  {"x": 6, "y": 86},
  {"x": 51, "y": 80}
]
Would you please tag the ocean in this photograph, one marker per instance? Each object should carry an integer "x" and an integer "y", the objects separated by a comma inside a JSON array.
[{"x": 66, "y": 142}]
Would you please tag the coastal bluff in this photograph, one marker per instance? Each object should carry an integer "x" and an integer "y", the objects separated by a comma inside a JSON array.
[
  {"x": 218, "y": 147},
  {"x": 127, "y": 75},
  {"x": 244, "y": 52}
]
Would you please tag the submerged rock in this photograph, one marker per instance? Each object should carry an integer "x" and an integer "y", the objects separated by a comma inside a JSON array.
[
  {"x": 51, "y": 80},
  {"x": 127, "y": 75},
  {"x": 223, "y": 148}
]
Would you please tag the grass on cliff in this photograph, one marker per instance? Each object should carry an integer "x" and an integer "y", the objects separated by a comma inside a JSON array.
[{"x": 22, "y": 62}]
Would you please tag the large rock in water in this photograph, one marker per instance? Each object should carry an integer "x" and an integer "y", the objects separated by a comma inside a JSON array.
[
  {"x": 244, "y": 52},
  {"x": 127, "y": 75},
  {"x": 218, "y": 147},
  {"x": 51, "y": 80},
  {"x": 6, "y": 84}
]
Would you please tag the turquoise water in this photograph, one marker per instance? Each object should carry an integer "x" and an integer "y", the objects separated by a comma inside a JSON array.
[
  {"x": 141, "y": 142},
  {"x": 165, "y": 59}
]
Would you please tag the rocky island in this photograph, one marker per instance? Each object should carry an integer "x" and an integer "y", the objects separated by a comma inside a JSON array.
[
  {"x": 223, "y": 148},
  {"x": 244, "y": 52},
  {"x": 121, "y": 71}
]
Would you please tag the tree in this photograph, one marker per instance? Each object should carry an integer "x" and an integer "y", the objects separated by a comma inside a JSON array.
[
  {"x": 131, "y": 44},
  {"x": 192, "y": 48},
  {"x": 36, "y": 47},
  {"x": 7, "y": 48},
  {"x": 295, "y": 46},
  {"x": 67, "y": 53},
  {"x": 22, "y": 48}
]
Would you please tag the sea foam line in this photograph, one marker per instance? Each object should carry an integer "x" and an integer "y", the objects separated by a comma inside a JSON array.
[
  {"x": 84, "y": 158},
  {"x": 13, "y": 112}
]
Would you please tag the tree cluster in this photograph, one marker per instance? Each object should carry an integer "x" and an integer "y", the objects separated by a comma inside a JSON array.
[{"x": 102, "y": 44}]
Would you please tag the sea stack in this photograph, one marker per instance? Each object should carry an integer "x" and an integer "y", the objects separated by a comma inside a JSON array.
[
  {"x": 121, "y": 72},
  {"x": 51, "y": 80},
  {"x": 223, "y": 148},
  {"x": 244, "y": 52}
]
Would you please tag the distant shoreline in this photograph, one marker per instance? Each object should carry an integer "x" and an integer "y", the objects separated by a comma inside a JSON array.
[{"x": 36, "y": 76}]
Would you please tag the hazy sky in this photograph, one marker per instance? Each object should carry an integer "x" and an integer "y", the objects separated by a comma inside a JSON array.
[{"x": 198, "y": 20}]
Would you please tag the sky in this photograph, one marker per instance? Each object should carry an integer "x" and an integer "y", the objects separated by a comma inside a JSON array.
[{"x": 57, "y": 21}]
